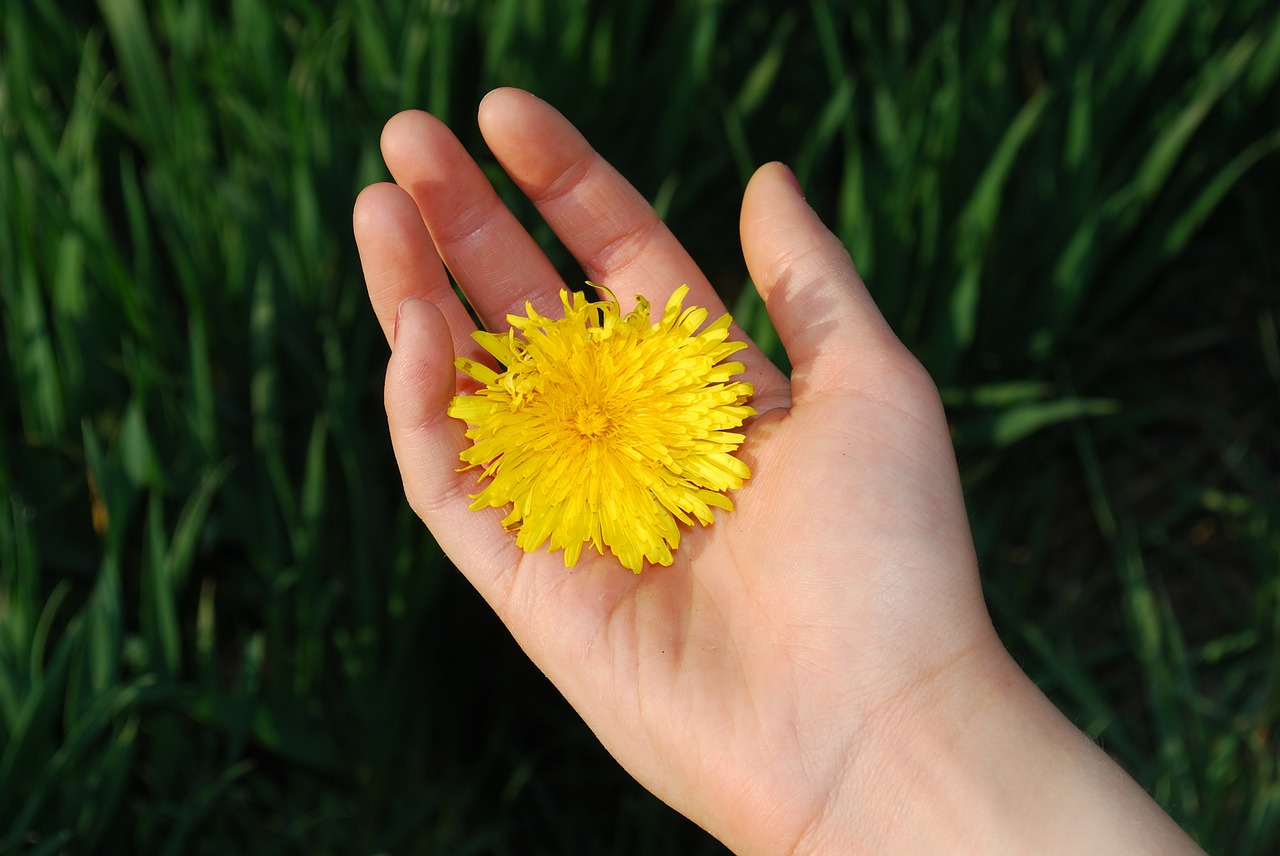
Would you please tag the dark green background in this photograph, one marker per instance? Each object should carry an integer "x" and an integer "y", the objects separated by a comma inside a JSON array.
[{"x": 221, "y": 629}]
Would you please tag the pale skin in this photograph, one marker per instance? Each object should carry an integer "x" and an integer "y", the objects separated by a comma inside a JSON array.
[{"x": 817, "y": 671}]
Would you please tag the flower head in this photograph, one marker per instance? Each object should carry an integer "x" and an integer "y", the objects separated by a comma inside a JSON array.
[{"x": 606, "y": 429}]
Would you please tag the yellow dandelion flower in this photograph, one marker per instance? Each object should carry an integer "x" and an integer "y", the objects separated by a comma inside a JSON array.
[{"x": 603, "y": 428}]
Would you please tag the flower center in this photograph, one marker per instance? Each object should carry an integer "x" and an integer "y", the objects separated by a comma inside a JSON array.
[{"x": 592, "y": 421}]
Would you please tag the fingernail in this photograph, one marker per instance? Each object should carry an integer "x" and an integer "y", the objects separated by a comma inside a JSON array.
[
  {"x": 793, "y": 181},
  {"x": 395, "y": 328}
]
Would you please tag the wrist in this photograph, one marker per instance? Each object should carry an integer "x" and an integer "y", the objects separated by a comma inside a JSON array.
[{"x": 977, "y": 760}]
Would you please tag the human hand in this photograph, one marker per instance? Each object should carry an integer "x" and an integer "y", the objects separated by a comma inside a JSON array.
[{"x": 789, "y": 679}]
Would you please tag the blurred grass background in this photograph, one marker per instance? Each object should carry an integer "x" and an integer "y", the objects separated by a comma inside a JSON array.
[{"x": 221, "y": 629}]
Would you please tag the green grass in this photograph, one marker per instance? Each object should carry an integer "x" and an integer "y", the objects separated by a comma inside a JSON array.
[{"x": 221, "y": 630}]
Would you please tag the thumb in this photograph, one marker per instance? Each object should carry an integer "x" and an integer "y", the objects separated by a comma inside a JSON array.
[{"x": 835, "y": 336}]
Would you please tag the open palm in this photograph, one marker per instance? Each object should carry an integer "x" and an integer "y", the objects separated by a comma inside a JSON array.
[{"x": 763, "y": 674}]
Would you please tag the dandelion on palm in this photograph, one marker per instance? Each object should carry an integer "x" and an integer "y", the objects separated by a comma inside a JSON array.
[{"x": 603, "y": 428}]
